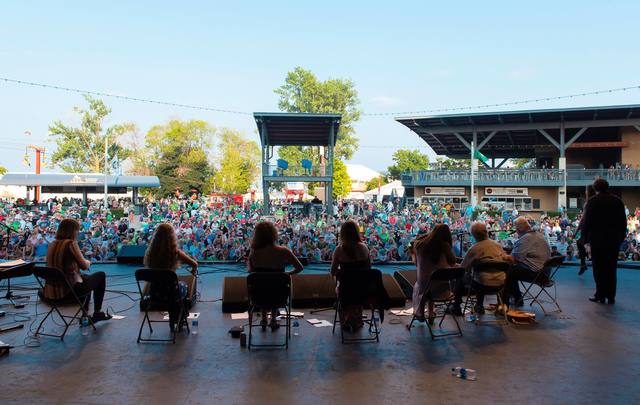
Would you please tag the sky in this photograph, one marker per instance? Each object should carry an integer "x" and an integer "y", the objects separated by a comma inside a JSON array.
[{"x": 403, "y": 56}]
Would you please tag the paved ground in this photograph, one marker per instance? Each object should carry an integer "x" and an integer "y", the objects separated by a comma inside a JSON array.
[{"x": 588, "y": 354}]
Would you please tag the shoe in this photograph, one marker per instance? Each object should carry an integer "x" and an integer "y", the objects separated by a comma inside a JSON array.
[
  {"x": 518, "y": 303},
  {"x": 100, "y": 316},
  {"x": 582, "y": 270},
  {"x": 263, "y": 324},
  {"x": 274, "y": 325},
  {"x": 478, "y": 309},
  {"x": 454, "y": 309},
  {"x": 611, "y": 301},
  {"x": 596, "y": 299}
]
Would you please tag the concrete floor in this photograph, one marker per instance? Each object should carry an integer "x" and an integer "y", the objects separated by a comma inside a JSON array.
[{"x": 589, "y": 354}]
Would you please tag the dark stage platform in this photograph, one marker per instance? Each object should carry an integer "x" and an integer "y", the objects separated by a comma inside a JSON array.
[{"x": 587, "y": 354}]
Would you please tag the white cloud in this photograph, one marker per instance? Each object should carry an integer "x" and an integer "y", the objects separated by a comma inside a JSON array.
[{"x": 387, "y": 101}]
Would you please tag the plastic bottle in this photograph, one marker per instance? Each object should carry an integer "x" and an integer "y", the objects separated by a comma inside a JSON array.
[
  {"x": 84, "y": 326},
  {"x": 464, "y": 373},
  {"x": 296, "y": 328},
  {"x": 194, "y": 327}
]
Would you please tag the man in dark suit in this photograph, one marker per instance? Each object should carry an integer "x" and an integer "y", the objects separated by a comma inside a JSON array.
[{"x": 604, "y": 228}]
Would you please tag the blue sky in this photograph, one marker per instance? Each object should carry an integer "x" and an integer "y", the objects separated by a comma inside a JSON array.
[{"x": 403, "y": 56}]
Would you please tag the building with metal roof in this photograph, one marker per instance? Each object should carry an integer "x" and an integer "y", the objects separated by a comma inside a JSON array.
[{"x": 562, "y": 143}]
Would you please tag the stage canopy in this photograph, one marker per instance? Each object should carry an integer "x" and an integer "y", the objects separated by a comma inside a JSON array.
[
  {"x": 298, "y": 129},
  {"x": 515, "y": 134}
]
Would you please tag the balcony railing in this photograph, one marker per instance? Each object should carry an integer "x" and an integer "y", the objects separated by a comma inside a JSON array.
[
  {"x": 542, "y": 177},
  {"x": 296, "y": 171}
]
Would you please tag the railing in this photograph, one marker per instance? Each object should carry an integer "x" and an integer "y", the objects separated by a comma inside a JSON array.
[
  {"x": 296, "y": 171},
  {"x": 621, "y": 177}
]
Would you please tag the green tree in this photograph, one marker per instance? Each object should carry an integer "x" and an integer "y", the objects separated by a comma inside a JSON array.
[
  {"x": 303, "y": 92},
  {"x": 81, "y": 149},
  {"x": 3, "y": 170},
  {"x": 239, "y": 163},
  {"x": 178, "y": 153},
  {"x": 407, "y": 160},
  {"x": 524, "y": 163},
  {"x": 453, "y": 164},
  {"x": 341, "y": 179},
  {"x": 375, "y": 182}
]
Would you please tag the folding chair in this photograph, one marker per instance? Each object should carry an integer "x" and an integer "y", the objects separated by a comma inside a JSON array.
[
  {"x": 162, "y": 294},
  {"x": 489, "y": 267},
  {"x": 544, "y": 280},
  {"x": 269, "y": 290},
  {"x": 444, "y": 275},
  {"x": 53, "y": 276},
  {"x": 360, "y": 287}
]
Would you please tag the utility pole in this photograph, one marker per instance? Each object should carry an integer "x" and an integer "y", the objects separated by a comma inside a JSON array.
[
  {"x": 39, "y": 154},
  {"x": 106, "y": 171}
]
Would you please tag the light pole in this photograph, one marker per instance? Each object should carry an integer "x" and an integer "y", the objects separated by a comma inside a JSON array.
[{"x": 106, "y": 168}]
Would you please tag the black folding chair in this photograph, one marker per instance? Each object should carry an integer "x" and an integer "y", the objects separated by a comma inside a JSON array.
[
  {"x": 489, "y": 266},
  {"x": 544, "y": 280},
  {"x": 362, "y": 288},
  {"x": 441, "y": 275},
  {"x": 55, "y": 277},
  {"x": 267, "y": 291},
  {"x": 161, "y": 294}
]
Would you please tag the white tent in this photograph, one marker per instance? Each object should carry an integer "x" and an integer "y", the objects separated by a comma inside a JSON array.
[
  {"x": 394, "y": 189},
  {"x": 361, "y": 173}
]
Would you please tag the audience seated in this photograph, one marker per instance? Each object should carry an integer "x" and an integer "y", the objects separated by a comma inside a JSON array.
[
  {"x": 484, "y": 250},
  {"x": 267, "y": 256},
  {"x": 350, "y": 255},
  {"x": 64, "y": 254},
  {"x": 432, "y": 251},
  {"x": 530, "y": 252}
]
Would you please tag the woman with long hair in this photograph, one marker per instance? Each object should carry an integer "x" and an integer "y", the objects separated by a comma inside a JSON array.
[
  {"x": 350, "y": 255},
  {"x": 64, "y": 254},
  {"x": 267, "y": 256},
  {"x": 431, "y": 252}
]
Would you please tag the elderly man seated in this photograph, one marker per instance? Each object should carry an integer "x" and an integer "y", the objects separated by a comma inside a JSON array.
[
  {"x": 483, "y": 250},
  {"x": 530, "y": 252}
]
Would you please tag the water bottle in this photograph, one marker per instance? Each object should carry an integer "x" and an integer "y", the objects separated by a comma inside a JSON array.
[
  {"x": 296, "y": 328},
  {"x": 472, "y": 318},
  {"x": 464, "y": 373},
  {"x": 84, "y": 326},
  {"x": 194, "y": 326}
]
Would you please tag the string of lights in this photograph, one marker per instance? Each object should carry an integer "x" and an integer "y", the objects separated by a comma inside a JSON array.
[{"x": 378, "y": 114}]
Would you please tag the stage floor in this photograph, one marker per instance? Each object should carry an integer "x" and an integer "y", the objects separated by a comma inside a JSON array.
[{"x": 589, "y": 353}]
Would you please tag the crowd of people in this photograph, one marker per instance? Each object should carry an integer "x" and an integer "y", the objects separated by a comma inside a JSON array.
[{"x": 214, "y": 232}]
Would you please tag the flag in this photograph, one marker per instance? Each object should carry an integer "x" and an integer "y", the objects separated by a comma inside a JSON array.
[{"x": 478, "y": 155}]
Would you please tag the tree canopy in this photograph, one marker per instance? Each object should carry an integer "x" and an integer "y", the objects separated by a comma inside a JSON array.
[
  {"x": 239, "y": 163},
  {"x": 407, "y": 160},
  {"x": 375, "y": 182},
  {"x": 178, "y": 152},
  {"x": 81, "y": 149},
  {"x": 453, "y": 164},
  {"x": 341, "y": 179},
  {"x": 303, "y": 92}
]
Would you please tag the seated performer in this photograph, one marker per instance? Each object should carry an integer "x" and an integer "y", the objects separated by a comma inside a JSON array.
[
  {"x": 267, "y": 256},
  {"x": 350, "y": 255},
  {"x": 483, "y": 250},
  {"x": 530, "y": 252},
  {"x": 64, "y": 254},
  {"x": 163, "y": 253},
  {"x": 431, "y": 252}
]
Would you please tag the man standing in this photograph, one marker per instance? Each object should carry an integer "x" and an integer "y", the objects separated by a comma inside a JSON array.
[{"x": 604, "y": 228}]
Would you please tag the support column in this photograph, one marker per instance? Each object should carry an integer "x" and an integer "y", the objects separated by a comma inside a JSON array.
[
  {"x": 265, "y": 197},
  {"x": 562, "y": 166},
  {"x": 84, "y": 197}
]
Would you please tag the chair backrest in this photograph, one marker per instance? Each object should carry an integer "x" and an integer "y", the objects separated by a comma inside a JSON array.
[
  {"x": 306, "y": 163},
  {"x": 50, "y": 275},
  {"x": 448, "y": 274},
  {"x": 491, "y": 266},
  {"x": 554, "y": 261},
  {"x": 268, "y": 289},
  {"x": 359, "y": 286},
  {"x": 163, "y": 285},
  {"x": 282, "y": 164}
]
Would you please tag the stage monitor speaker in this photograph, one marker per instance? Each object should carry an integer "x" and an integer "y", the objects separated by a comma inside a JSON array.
[
  {"x": 313, "y": 290},
  {"x": 131, "y": 254},
  {"x": 235, "y": 297},
  {"x": 406, "y": 280},
  {"x": 397, "y": 297}
]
